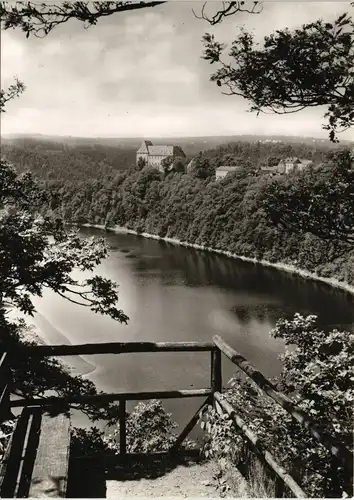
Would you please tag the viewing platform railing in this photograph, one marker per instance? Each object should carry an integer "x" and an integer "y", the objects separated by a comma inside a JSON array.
[{"x": 213, "y": 395}]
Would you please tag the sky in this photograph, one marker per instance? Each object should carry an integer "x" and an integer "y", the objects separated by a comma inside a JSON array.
[{"x": 141, "y": 74}]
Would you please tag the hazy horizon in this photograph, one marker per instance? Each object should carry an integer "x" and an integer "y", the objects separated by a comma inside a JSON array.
[
  {"x": 161, "y": 137},
  {"x": 140, "y": 74}
]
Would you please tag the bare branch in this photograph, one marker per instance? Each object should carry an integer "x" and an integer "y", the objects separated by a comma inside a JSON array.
[{"x": 229, "y": 9}]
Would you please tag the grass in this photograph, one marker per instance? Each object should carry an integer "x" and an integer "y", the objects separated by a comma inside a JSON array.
[{"x": 246, "y": 478}]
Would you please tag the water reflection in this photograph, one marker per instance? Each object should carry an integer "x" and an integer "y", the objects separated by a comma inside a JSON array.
[
  {"x": 177, "y": 294},
  {"x": 170, "y": 265}
]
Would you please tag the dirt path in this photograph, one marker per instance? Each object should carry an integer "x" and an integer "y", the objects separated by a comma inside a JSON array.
[
  {"x": 186, "y": 480},
  {"x": 182, "y": 476}
]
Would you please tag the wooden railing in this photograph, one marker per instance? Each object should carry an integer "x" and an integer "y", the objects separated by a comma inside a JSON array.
[
  {"x": 337, "y": 449},
  {"x": 213, "y": 395},
  {"x": 342, "y": 454},
  {"x": 36, "y": 352}
]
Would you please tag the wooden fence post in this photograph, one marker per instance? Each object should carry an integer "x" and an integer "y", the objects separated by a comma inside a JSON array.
[
  {"x": 216, "y": 373},
  {"x": 122, "y": 428}
]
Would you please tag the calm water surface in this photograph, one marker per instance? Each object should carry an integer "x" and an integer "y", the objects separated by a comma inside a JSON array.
[{"x": 173, "y": 293}]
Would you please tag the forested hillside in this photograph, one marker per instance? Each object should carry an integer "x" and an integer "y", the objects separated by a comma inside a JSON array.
[
  {"x": 227, "y": 215},
  {"x": 75, "y": 159},
  {"x": 101, "y": 185},
  {"x": 60, "y": 161},
  {"x": 264, "y": 153}
]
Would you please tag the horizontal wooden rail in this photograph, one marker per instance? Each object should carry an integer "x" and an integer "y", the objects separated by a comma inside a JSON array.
[
  {"x": 340, "y": 451},
  {"x": 107, "y": 398},
  {"x": 114, "y": 348},
  {"x": 266, "y": 455}
]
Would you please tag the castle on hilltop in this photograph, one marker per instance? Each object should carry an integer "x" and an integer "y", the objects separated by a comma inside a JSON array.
[{"x": 154, "y": 155}]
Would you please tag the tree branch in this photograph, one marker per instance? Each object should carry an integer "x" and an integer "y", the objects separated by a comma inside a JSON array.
[
  {"x": 229, "y": 9},
  {"x": 72, "y": 300},
  {"x": 15, "y": 90},
  {"x": 41, "y": 19},
  {"x": 294, "y": 70}
]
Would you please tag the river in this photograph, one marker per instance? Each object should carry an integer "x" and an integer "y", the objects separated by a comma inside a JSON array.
[{"x": 174, "y": 293}]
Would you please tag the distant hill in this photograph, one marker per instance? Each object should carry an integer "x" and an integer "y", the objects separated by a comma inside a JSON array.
[
  {"x": 53, "y": 160},
  {"x": 191, "y": 145}
]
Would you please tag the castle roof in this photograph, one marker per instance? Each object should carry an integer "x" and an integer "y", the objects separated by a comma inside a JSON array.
[
  {"x": 161, "y": 150},
  {"x": 144, "y": 147},
  {"x": 178, "y": 151}
]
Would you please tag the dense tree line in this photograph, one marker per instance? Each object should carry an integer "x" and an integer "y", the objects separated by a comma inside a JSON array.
[
  {"x": 259, "y": 154},
  {"x": 54, "y": 160},
  {"x": 322, "y": 204},
  {"x": 60, "y": 161},
  {"x": 228, "y": 214}
]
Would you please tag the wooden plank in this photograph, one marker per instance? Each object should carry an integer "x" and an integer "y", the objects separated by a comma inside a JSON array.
[
  {"x": 122, "y": 428},
  {"x": 297, "y": 413},
  {"x": 10, "y": 467},
  {"x": 188, "y": 428},
  {"x": 267, "y": 456},
  {"x": 34, "y": 458},
  {"x": 113, "y": 348},
  {"x": 29, "y": 453},
  {"x": 50, "y": 472},
  {"x": 105, "y": 398}
]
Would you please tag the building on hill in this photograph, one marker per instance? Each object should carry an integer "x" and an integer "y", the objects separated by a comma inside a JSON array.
[
  {"x": 293, "y": 164},
  {"x": 288, "y": 165},
  {"x": 154, "y": 155},
  {"x": 222, "y": 171}
]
